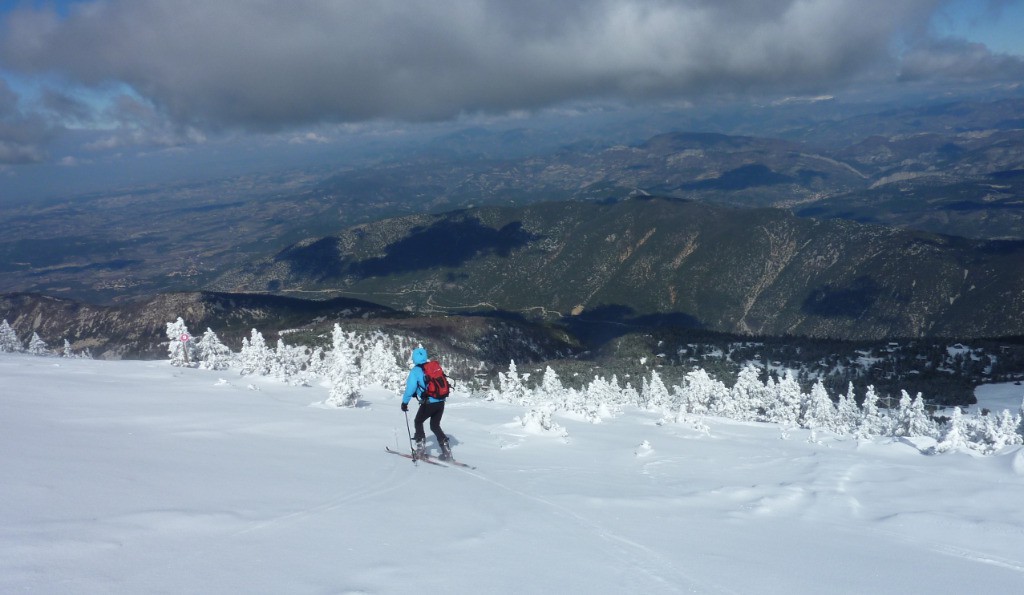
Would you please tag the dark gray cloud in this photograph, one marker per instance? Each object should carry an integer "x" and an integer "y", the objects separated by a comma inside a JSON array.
[
  {"x": 266, "y": 64},
  {"x": 21, "y": 136}
]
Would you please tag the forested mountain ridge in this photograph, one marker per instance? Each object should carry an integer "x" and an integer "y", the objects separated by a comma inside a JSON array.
[
  {"x": 139, "y": 329},
  {"x": 657, "y": 260}
]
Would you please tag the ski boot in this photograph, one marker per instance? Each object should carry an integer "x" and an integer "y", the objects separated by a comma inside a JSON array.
[
  {"x": 420, "y": 449},
  {"x": 446, "y": 451}
]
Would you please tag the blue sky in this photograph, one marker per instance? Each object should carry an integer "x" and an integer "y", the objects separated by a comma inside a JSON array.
[
  {"x": 86, "y": 82},
  {"x": 998, "y": 26}
]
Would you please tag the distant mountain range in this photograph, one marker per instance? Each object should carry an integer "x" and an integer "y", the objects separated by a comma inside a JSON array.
[
  {"x": 955, "y": 167},
  {"x": 663, "y": 261}
]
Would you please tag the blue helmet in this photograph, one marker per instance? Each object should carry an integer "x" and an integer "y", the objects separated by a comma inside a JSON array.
[{"x": 419, "y": 356}]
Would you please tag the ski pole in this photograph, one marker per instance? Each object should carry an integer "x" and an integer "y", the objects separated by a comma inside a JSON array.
[{"x": 412, "y": 448}]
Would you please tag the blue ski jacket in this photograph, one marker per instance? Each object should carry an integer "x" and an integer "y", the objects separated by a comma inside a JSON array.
[{"x": 415, "y": 383}]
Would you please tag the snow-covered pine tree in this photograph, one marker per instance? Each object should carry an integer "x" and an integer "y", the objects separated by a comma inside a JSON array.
[
  {"x": 290, "y": 363},
  {"x": 745, "y": 397},
  {"x": 599, "y": 390},
  {"x": 997, "y": 432},
  {"x": 1020, "y": 416},
  {"x": 551, "y": 387},
  {"x": 700, "y": 392},
  {"x": 36, "y": 346},
  {"x": 9, "y": 342},
  {"x": 551, "y": 390},
  {"x": 378, "y": 365},
  {"x": 954, "y": 433},
  {"x": 910, "y": 417},
  {"x": 1009, "y": 424},
  {"x": 510, "y": 386},
  {"x": 628, "y": 396},
  {"x": 595, "y": 401},
  {"x": 871, "y": 422},
  {"x": 343, "y": 370},
  {"x": 211, "y": 353},
  {"x": 317, "y": 362},
  {"x": 900, "y": 419},
  {"x": 847, "y": 412},
  {"x": 820, "y": 413},
  {"x": 66, "y": 351},
  {"x": 919, "y": 423},
  {"x": 656, "y": 395},
  {"x": 785, "y": 408},
  {"x": 255, "y": 358},
  {"x": 769, "y": 399},
  {"x": 180, "y": 353}
]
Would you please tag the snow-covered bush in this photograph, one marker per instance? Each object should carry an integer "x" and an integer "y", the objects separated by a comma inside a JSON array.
[{"x": 538, "y": 420}]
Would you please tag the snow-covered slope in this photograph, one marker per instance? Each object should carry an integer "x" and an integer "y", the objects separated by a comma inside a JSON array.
[{"x": 137, "y": 477}]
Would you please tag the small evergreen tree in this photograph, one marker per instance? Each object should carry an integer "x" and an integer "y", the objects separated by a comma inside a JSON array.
[
  {"x": 871, "y": 421},
  {"x": 954, "y": 435},
  {"x": 317, "y": 362},
  {"x": 255, "y": 357},
  {"x": 211, "y": 353},
  {"x": 551, "y": 387},
  {"x": 9, "y": 342},
  {"x": 655, "y": 395},
  {"x": 180, "y": 353},
  {"x": 785, "y": 409},
  {"x": 746, "y": 397},
  {"x": 510, "y": 386},
  {"x": 343, "y": 371},
  {"x": 289, "y": 363},
  {"x": 629, "y": 395},
  {"x": 918, "y": 421},
  {"x": 700, "y": 392},
  {"x": 36, "y": 346},
  {"x": 847, "y": 413},
  {"x": 819, "y": 413},
  {"x": 379, "y": 366}
]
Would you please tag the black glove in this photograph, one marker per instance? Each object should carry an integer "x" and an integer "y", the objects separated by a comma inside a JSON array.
[{"x": 405, "y": 406}]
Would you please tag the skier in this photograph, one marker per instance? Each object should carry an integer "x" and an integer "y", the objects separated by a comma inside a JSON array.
[{"x": 430, "y": 407}]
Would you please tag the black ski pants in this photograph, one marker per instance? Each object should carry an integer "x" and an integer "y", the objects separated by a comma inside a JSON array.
[{"x": 433, "y": 412}]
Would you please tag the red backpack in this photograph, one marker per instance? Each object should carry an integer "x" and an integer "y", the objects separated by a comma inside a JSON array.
[{"x": 437, "y": 385}]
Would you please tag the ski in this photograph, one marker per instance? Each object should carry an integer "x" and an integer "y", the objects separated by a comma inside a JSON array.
[
  {"x": 409, "y": 456},
  {"x": 459, "y": 464},
  {"x": 430, "y": 459},
  {"x": 446, "y": 462}
]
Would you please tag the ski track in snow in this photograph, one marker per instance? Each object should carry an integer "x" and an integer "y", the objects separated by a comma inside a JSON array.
[
  {"x": 666, "y": 574},
  {"x": 383, "y": 484}
]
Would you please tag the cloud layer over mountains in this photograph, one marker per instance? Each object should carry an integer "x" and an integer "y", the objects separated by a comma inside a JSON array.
[
  {"x": 171, "y": 72},
  {"x": 263, "y": 64}
]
